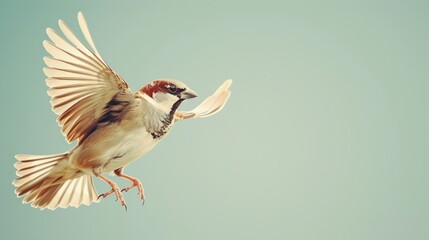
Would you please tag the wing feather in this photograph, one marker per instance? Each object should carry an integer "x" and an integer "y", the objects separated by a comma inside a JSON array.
[
  {"x": 210, "y": 105},
  {"x": 84, "y": 27},
  {"x": 80, "y": 82},
  {"x": 64, "y": 74},
  {"x": 63, "y": 55},
  {"x": 61, "y": 64},
  {"x": 68, "y": 48},
  {"x": 79, "y": 45}
]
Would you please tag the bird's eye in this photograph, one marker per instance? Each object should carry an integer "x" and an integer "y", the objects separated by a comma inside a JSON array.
[{"x": 171, "y": 88}]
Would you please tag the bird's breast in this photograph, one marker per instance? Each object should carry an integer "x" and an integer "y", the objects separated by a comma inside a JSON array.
[{"x": 112, "y": 148}]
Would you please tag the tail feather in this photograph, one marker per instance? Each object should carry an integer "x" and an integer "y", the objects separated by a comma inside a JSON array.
[{"x": 42, "y": 180}]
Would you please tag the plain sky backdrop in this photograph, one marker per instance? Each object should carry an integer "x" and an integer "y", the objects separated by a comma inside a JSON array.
[{"x": 326, "y": 135}]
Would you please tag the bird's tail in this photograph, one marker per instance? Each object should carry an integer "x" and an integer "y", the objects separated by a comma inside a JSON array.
[{"x": 48, "y": 182}]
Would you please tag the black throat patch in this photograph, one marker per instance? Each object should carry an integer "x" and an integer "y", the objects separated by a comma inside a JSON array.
[{"x": 166, "y": 121}]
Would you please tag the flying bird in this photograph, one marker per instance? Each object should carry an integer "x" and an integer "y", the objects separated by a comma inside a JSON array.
[{"x": 112, "y": 125}]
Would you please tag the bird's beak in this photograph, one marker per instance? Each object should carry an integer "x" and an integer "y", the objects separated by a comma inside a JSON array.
[{"x": 187, "y": 94}]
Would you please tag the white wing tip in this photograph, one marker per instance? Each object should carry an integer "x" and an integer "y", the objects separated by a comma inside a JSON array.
[
  {"x": 46, "y": 43},
  {"x": 228, "y": 83},
  {"x": 224, "y": 87},
  {"x": 45, "y": 71},
  {"x": 80, "y": 15}
]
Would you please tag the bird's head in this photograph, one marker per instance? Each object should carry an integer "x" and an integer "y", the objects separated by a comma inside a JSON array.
[{"x": 167, "y": 94}]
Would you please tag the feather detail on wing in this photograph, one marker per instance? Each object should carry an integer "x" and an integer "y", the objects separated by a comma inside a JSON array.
[
  {"x": 210, "y": 105},
  {"x": 80, "y": 82}
]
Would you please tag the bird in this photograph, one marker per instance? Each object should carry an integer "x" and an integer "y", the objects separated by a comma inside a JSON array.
[{"x": 111, "y": 125}]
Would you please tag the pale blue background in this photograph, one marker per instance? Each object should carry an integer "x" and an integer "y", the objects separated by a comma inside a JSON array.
[{"x": 326, "y": 135}]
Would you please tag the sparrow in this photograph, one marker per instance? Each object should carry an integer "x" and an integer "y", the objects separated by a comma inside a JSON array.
[{"x": 112, "y": 125}]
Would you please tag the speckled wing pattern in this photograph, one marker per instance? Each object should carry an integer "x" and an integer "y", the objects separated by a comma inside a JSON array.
[
  {"x": 210, "y": 105},
  {"x": 80, "y": 82}
]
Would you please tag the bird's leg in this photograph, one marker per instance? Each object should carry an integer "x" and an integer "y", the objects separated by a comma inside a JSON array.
[
  {"x": 115, "y": 189},
  {"x": 135, "y": 183}
]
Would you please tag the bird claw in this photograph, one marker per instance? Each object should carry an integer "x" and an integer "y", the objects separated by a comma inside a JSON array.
[
  {"x": 139, "y": 186},
  {"x": 104, "y": 195},
  {"x": 118, "y": 196}
]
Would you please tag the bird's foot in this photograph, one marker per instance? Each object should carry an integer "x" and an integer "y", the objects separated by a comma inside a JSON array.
[
  {"x": 136, "y": 183},
  {"x": 115, "y": 189}
]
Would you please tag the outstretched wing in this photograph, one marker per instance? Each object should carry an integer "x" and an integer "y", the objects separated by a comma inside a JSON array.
[
  {"x": 210, "y": 105},
  {"x": 82, "y": 86}
]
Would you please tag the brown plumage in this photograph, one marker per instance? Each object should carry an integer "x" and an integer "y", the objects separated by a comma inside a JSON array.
[{"x": 112, "y": 125}]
